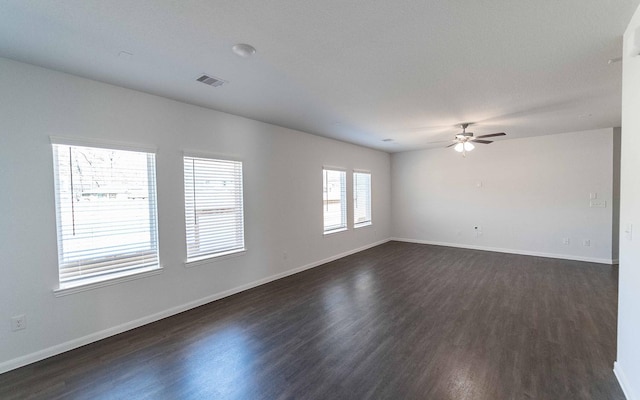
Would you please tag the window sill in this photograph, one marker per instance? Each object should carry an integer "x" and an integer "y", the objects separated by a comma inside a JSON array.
[
  {"x": 362, "y": 225},
  {"x": 197, "y": 261},
  {"x": 335, "y": 231},
  {"x": 95, "y": 283}
]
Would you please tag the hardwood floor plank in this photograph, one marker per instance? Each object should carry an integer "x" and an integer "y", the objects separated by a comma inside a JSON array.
[{"x": 398, "y": 321}]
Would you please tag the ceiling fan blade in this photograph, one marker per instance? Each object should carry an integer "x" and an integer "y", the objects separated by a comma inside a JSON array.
[
  {"x": 452, "y": 144},
  {"x": 483, "y": 141},
  {"x": 439, "y": 142},
  {"x": 492, "y": 135}
]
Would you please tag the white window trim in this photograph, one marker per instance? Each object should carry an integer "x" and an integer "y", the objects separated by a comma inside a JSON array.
[
  {"x": 346, "y": 227},
  {"x": 103, "y": 144},
  {"x": 370, "y": 222},
  {"x": 327, "y": 233},
  {"x": 198, "y": 261},
  {"x": 126, "y": 276},
  {"x": 208, "y": 258},
  {"x": 216, "y": 156},
  {"x": 119, "y": 277},
  {"x": 334, "y": 168}
]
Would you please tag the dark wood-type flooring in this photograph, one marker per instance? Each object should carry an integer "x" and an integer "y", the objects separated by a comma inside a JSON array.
[{"x": 398, "y": 321}]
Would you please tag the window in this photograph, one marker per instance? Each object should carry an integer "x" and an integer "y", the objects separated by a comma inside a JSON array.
[
  {"x": 334, "y": 184},
  {"x": 213, "y": 207},
  {"x": 105, "y": 213},
  {"x": 361, "y": 199}
]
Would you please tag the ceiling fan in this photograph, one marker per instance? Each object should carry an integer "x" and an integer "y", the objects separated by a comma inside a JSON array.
[{"x": 464, "y": 141}]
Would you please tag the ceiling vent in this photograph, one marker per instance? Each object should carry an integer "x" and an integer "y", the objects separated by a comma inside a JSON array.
[{"x": 211, "y": 81}]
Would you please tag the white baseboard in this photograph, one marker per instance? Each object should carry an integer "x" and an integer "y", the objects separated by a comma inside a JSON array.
[
  {"x": 94, "y": 337},
  {"x": 509, "y": 251},
  {"x": 623, "y": 381}
]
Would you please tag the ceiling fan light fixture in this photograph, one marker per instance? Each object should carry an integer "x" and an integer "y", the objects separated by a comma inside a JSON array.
[{"x": 466, "y": 141}]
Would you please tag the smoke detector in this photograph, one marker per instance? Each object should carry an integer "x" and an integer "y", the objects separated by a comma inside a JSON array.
[{"x": 244, "y": 50}]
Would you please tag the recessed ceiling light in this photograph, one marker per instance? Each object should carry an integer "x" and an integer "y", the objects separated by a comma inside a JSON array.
[{"x": 244, "y": 50}]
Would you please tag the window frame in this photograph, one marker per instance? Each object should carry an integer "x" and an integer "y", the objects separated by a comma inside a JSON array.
[
  {"x": 344, "y": 225},
  {"x": 69, "y": 286},
  {"x": 369, "y": 221},
  {"x": 201, "y": 259}
]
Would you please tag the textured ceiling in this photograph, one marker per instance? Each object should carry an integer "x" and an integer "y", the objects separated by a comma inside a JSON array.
[{"x": 358, "y": 71}]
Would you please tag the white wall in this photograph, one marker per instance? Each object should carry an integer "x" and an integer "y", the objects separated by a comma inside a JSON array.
[
  {"x": 283, "y": 203},
  {"x": 615, "y": 239},
  {"x": 627, "y": 366},
  {"x": 534, "y": 192}
]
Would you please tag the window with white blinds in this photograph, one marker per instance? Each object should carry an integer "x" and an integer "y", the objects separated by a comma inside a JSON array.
[
  {"x": 105, "y": 213},
  {"x": 334, "y": 188},
  {"x": 361, "y": 199},
  {"x": 213, "y": 207}
]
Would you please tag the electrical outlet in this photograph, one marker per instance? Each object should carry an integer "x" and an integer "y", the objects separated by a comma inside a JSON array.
[
  {"x": 565, "y": 241},
  {"x": 18, "y": 322},
  {"x": 478, "y": 230},
  {"x": 586, "y": 243}
]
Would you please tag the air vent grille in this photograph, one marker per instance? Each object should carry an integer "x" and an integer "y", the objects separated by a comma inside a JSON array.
[{"x": 211, "y": 81}]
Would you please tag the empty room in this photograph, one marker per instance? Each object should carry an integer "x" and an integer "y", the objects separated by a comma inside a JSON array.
[{"x": 320, "y": 200}]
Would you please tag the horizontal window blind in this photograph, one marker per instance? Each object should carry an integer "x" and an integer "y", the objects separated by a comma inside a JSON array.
[
  {"x": 214, "y": 213},
  {"x": 105, "y": 212},
  {"x": 361, "y": 198},
  {"x": 334, "y": 199}
]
